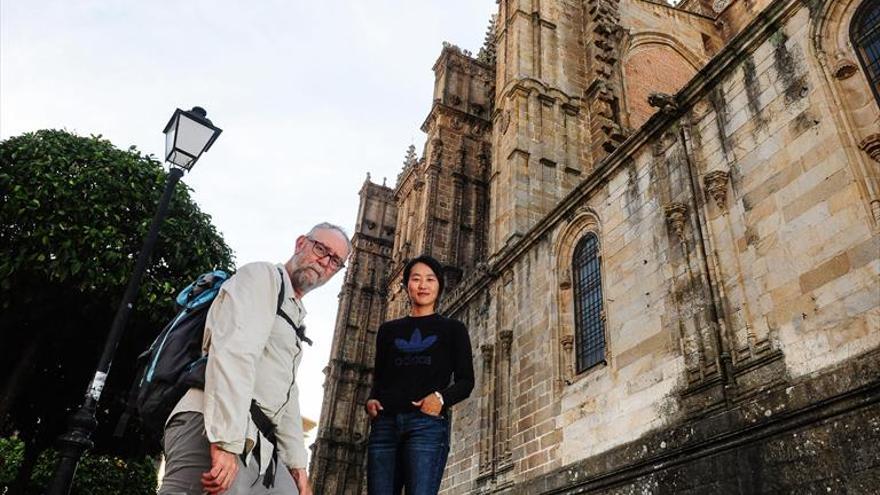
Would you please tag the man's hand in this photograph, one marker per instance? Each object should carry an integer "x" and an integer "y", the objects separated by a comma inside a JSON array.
[
  {"x": 302, "y": 480},
  {"x": 224, "y": 467},
  {"x": 429, "y": 404},
  {"x": 373, "y": 407}
]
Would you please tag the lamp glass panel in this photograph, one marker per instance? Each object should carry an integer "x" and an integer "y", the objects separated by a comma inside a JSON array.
[
  {"x": 192, "y": 136},
  {"x": 169, "y": 138},
  {"x": 182, "y": 160}
]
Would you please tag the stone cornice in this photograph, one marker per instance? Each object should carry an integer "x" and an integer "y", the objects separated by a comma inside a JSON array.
[
  {"x": 371, "y": 188},
  {"x": 450, "y": 50},
  {"x": 676, "y": 9},
  {"x": 441, "y": 108},
  {"x": 527, "y": 84}
]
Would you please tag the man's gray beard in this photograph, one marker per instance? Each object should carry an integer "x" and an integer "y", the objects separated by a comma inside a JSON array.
[{"x": 302, "y": 282}]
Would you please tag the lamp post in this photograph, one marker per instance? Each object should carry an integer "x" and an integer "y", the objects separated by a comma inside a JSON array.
[{"x": 188, "y": 134}]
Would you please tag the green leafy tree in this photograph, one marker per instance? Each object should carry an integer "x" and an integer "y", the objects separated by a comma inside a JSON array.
[
  {"x": 96, "y": 474},
  {"x": 73, "y": 214}
]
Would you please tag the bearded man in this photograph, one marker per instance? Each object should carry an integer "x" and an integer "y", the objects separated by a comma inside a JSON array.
[{"x": 243, "y": 433}]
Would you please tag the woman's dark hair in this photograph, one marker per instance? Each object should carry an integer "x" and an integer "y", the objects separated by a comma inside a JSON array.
[{"x": 432, "y": 263}]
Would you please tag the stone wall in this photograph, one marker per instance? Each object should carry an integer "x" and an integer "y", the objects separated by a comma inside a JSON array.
[
  {"x": 738, "y": 223},
  {"x": 739, "y": 257},
  {"x": 818, "y": 435}
]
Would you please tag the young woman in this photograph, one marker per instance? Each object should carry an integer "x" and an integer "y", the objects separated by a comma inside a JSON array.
[{"x": 423, "y": 366}]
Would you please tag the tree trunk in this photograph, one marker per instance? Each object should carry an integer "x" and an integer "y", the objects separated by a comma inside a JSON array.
[{"x": 19, "y": 376}]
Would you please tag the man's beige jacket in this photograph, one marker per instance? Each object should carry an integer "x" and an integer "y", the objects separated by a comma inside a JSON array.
[{"x": 252, "y": 354}]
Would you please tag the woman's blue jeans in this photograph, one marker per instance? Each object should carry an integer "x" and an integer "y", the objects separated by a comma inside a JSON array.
[{"x": 407, "y": 450}]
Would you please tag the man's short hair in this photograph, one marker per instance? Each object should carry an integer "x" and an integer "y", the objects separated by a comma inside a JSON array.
[{"x": 330, "y": 226}]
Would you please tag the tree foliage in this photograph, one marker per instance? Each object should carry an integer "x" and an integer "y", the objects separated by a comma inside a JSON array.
[
  {"x": 73, "y": 214},
  {"x": 95, "y": 475},
  {"x": 75, "y": 211}
]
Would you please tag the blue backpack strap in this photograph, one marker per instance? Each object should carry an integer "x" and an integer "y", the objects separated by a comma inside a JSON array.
[
  {"x": 300, "y": 330},
  {"x": 203, "y": 290}
]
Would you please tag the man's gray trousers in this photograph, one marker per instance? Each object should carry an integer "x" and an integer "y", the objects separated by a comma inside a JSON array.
[{"x": 187, "y": 456}]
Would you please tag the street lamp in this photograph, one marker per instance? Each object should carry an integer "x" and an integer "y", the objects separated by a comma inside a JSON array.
[{"x": 188, "y": 134}]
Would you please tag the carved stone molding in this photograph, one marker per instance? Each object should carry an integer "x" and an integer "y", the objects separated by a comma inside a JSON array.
[
  {"x": 486, "y": 427},
  {"x": 477, "y": 129},
  {"x": 504, "y": 408},
  {"x": 603, "y": 91},
  {"x": 567, "y": 342},
  {"x": 871, "y": 146},
  {"x": 505, "y": 121},
  {"x": 487, "y": 350},
  {"x": 676, "y": 214},
  {"x": 664, "y": 102},
  {"x": 844, "y": 69},
  {"x": 436, "y": 151},
  {"x": 719, "y": 5},
  {"x": 716, "y": 183},
  {"x": 570, "y": 109},
  {"x": 506, "y": 337}
]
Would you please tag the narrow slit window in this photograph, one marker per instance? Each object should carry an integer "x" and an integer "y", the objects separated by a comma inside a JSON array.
[{"x": 589, "y": 317}]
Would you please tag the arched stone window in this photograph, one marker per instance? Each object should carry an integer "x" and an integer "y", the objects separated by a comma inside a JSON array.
[
  {"x": 588, "y": 315},
  {"x": 865, "y": 34}
]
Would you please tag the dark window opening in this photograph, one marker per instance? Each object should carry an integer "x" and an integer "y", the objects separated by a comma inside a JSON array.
[
  {"x": 865, "y": 33},
  {"x": 589, "y": 317}
]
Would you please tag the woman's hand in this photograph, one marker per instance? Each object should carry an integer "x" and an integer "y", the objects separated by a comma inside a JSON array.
[
  {"x": 373, "y": 407},
  {"x": 430, "y": 404}
]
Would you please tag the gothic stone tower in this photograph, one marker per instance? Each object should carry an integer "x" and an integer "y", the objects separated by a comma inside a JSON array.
[
  {"x": 540, "y": 130},
  {"x": 443, "y": 198},
  {"x": 439, "y": 207},
  {"x": 337, "y": 455}
]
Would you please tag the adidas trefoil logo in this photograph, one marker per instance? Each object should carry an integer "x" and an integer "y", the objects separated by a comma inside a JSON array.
[{"x": 415, "y": 344}]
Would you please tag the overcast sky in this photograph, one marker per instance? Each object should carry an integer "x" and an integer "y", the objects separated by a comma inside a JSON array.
[{"x": 311, "y": 95}]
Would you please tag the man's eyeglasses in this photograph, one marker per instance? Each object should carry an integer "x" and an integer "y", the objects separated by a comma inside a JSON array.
[{"x": 322, "y": 251}]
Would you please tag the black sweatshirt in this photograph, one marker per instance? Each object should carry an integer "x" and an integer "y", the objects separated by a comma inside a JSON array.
[{"x": 416, "y": 356}]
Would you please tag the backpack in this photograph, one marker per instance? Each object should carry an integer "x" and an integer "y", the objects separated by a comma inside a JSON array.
[{"x": 174, "y": 362}]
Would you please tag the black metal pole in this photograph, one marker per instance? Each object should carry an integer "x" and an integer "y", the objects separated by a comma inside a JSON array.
[{"x": 73, "y": 443}]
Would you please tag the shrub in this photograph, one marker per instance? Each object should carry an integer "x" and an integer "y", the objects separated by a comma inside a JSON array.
[{"x": 96, "y": 474}]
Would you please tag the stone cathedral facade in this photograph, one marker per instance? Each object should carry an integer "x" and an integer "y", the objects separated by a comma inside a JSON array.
[{"x": 661, "y": 225}]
